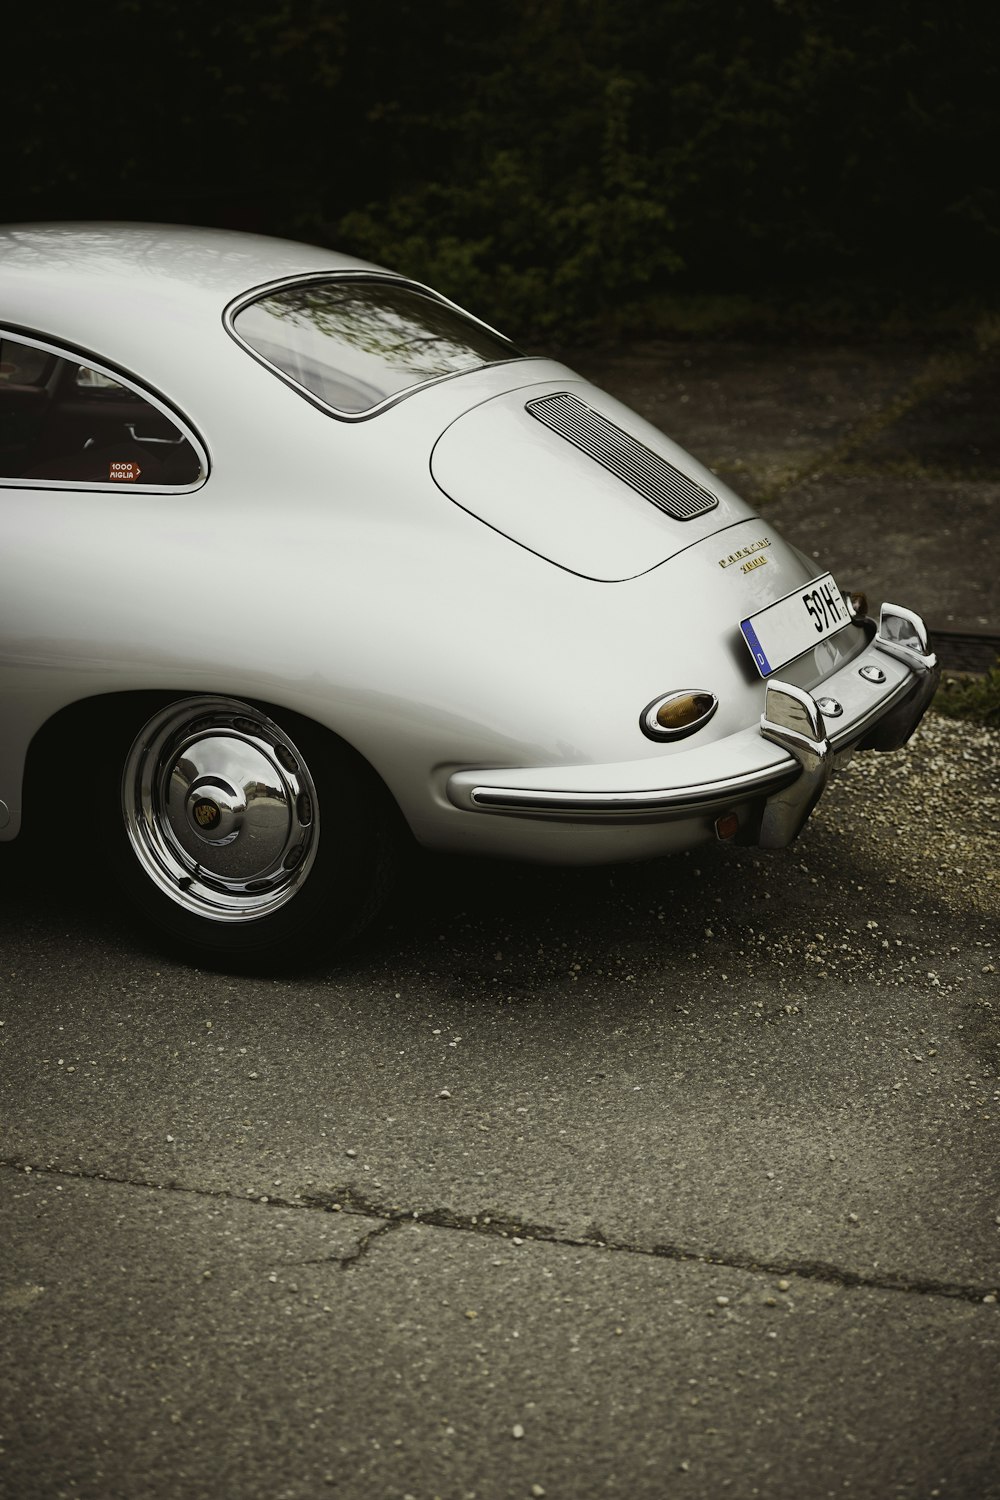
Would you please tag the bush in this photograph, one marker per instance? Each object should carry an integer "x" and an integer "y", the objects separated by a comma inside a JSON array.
[{"x": 968, "y": 696}]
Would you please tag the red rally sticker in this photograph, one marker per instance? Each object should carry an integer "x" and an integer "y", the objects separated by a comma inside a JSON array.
[{"x": 125, "y": 471}]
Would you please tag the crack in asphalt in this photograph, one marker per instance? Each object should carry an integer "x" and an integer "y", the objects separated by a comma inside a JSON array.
[
  {"x": 352, "y": 1202},
  {"x": 350, "y": 1257},
  {"x": 349, "y": 1200}
]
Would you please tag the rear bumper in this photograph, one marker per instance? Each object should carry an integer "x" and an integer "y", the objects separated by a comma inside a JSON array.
[{"x": 764, "y": 781}]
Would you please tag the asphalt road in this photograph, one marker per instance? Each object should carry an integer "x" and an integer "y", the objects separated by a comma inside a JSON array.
[{"x": 677, "y": 1179}]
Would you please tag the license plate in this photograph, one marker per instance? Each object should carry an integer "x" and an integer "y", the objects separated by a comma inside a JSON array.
[{"x": 788, "y": 627}]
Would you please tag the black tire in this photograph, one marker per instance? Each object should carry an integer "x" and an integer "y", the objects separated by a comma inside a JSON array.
[{"x": 248, "y": 844}]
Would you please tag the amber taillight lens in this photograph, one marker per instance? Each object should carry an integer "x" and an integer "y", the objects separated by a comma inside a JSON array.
[{"x": 674, "y": 715}]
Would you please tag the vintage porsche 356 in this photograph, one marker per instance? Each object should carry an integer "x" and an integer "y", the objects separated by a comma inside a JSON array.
[{"x": 297, "y": 557}]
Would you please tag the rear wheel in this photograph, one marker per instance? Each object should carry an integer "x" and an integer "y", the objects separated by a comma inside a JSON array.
[{"x": 250, "y": 844}]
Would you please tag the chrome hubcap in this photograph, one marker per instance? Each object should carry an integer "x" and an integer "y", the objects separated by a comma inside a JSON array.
[{"x": 220, "y": 809}]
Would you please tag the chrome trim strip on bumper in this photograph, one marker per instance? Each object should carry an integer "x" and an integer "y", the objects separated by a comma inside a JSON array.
[
  {"x": 792, "y": 720},
  {"x": 681, "y": 799}
]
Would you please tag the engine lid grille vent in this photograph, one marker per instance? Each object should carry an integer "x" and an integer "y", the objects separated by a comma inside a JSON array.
[{"x": 622, "y": 455}]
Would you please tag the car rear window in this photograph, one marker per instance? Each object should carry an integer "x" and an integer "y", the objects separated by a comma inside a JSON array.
[{"x": 355, "y": 344}]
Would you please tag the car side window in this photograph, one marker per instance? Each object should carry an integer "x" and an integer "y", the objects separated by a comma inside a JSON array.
[{"x": 66, "y": 422}]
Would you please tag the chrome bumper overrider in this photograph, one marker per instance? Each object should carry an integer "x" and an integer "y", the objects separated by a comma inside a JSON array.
[
  {"x": 794, "y": 719},
  {"x": 881, "y": 696}
]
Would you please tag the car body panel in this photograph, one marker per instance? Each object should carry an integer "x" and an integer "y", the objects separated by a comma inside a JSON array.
[{"x": 557, "y": 501}]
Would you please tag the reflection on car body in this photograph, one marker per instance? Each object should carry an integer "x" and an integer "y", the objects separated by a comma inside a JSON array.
[{"x": 300, "y": 558}]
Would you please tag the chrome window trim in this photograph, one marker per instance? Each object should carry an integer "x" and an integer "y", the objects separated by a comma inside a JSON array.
[
  {"x": 78, "y": 356},
  {"x": 245, "y": 299}
]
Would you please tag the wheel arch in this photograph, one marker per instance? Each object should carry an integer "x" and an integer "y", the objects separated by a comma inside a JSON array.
[{"x": 117, "y": 711}]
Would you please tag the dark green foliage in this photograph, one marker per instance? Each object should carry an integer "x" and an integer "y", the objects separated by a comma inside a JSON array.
[
  {"x": 546, "y": 161},
  {"x": 969, "y": 696}
]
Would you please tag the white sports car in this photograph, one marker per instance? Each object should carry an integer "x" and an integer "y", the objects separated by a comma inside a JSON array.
[{"x": 297, "y": 555}]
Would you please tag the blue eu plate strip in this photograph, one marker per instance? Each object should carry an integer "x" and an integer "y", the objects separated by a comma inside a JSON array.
[{"x": 750, "y": 636}]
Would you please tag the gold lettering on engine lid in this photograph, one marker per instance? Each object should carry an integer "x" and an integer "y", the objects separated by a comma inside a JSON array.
[{"x": 742, "y": 552}]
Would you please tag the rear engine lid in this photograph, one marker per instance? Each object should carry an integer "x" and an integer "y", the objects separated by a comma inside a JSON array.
[{"x": 579, "y": 479}]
